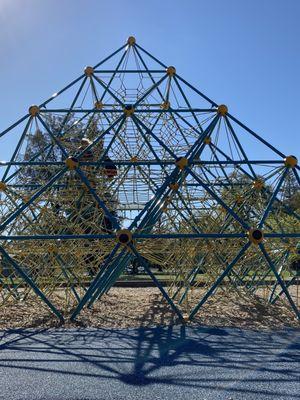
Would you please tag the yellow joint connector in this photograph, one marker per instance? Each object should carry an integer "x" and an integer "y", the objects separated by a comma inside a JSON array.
[
  {"x": 207, "y": 140},
  {"x": 43, "y": 210},
  {"x": 185, "y": 318},
  {"x": 239, "y": 199},
  {"x": 98, "y": 105},
  {"x": 222, "y": 109},
  {"x": 124, "y": 236},
  {"x": 72, "y": 162},
  {"x": 174, "y": 186},
  {"x": 3, "y": 186},
  {"x": 86, "y": 188},
  {"x": 166, "y": 203},
  {"x": 255, "y": 235},
  {"x": 52, "y": 248},
  {"x": 165, "y": 105},
  {"x": 88, "y": 71},
  {"x": 168, "y": 199},
  {"x": 134, "y": 159},
  {"x": 258, "y": 184},
  {"x": 182, "y": 162},
  {"x": 290, "y": 161},
  {"x": 131, "y": 41},
  {"x": 34, "y": 110},
  {"x": 128, "y": 110},
  {"x": 171, "y": 71}
]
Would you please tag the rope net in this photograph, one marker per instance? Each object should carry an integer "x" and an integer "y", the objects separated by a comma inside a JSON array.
[{"x": 131, "y": 166}]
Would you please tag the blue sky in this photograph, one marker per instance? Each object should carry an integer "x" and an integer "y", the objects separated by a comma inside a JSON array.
[{"x": 241, "y": 53}]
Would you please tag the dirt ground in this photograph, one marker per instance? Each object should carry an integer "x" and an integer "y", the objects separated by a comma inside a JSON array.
[{"x": 134, "y": 307}]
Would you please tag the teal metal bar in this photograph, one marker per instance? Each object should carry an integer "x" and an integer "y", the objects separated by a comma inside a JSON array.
[
  {"x": 31, "y": 283},
  {"x": 218, "y": 281},
  {"x": 280, "y": 281},
  {"x": 94, "y": 284},
  {"x": 158, "y": 284}
]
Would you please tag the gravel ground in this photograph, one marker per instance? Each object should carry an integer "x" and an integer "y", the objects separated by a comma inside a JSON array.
[{"x": 145, "y": 307}]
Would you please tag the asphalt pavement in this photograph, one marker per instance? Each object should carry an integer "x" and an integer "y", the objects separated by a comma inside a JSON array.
[{"x": 149, "y": 363}]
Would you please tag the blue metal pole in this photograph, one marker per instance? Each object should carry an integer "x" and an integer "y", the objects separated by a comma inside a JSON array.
[
  {"x": 150, "y": 55},
  {"x": 273, "y": 197},
  {"x": 220, "y": 201},
  {"x": 256, "y": 136},
  {"x": 30, "y": 282},
  {"x": 16, "y": 149},
  {"x": 280, "y": 281},
  {"x": 158, "y": 284},
  {"x": 31, "y": 200},
  {"x": 218, "y": 281},
  {"x": 94, "y": 284}
]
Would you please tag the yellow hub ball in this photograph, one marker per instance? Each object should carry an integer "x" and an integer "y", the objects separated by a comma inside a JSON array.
[
  {"x": 98, "y": 105},
  {"x": 239, "y": 199},
  {"x": 165, "y": 105},
  {"x": 89, "y": 71},
  {"x": 52, "y": 248},
  {"x": 124, "y": 236},
  {"x": 290, "y": 161},
  {"x": 174, "y": 186},
  {"x": 2, "y": 186},
  {"x": 222, "y": 110},
  {"x": 128, "y": 110},
  {"x": 131, "y": 41},
  {"x": 168, "y": 200},
  {"x": 207, "y": 140},
  {"x": 34, "y": 110},
  {"x": 258, "y": 184},
  {"x": 255, "y": 235},
  {"x": 72, "y": 163},
  {"x": 185, "y": 318},
  {"x": 291, "y": 248},
  {"x": 182, "y": 162},
  {"x": 171, "y": 71}
]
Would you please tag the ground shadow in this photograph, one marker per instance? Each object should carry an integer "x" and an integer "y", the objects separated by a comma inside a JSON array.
[{"x": 170, "y": 358}]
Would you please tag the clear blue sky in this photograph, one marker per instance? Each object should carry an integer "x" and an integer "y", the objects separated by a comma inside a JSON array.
[{"x": 245, "y": 54}]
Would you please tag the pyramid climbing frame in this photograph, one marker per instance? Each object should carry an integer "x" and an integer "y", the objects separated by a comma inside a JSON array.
[{"x": 131, "y": 164}]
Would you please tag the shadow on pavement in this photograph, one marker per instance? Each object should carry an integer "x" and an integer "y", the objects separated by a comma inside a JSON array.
[{"x": 191, "y": 360}]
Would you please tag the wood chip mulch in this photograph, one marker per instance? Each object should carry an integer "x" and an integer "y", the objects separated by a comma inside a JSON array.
[{"x": 145, "y": 307}]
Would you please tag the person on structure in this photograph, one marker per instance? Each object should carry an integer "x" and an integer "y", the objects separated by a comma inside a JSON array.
[
  {"x": 87, "y": 156},
  {"x": 84, "y": 215},
  {"x": 110, "y": 169},
  {"x": 87, "y": 217}
]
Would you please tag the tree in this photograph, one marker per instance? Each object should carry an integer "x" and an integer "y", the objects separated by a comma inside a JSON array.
[
  {"x": 67, "y": 207},
  {"x": 290, "y": 192}
]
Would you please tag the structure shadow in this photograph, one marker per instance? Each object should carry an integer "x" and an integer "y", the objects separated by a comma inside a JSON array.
[{"x": 174, "y": 356}]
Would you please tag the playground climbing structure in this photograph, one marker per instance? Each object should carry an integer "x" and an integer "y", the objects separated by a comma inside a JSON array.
[{"x": 132, "y": 163}]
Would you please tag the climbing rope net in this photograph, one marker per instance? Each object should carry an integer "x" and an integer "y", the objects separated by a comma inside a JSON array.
[{"x": 130, "y": 163}]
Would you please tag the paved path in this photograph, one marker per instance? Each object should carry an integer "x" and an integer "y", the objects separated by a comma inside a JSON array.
[{"x": 159, "y": 363}]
